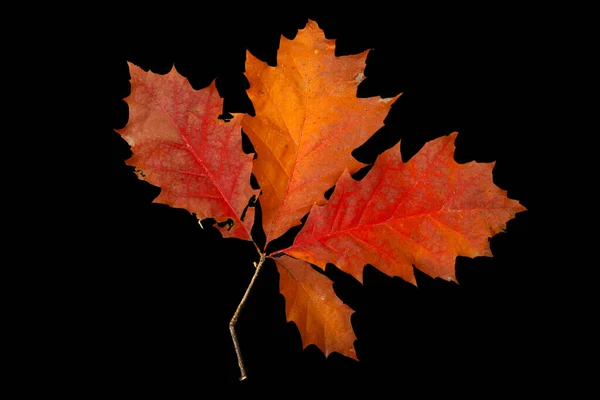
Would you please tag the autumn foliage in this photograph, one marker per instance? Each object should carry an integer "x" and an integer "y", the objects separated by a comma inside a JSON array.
[{"x": 308, "y": 120}]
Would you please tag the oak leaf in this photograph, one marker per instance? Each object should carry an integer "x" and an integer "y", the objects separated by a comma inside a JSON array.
[
  {"x": 308, "y": 121},
  {"x": 180, "y": 144},
  {"x": 321, "y": 317},
  {"x": 422, "y": 213}
]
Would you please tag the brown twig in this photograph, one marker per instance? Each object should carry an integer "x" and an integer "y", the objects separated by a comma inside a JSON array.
[{"x": 234, "y": 319}]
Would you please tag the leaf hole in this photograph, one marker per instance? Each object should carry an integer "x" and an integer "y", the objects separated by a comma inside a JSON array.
[
  {"x": 228, "y": 223},
  {"x": 251, "y": 203},
  {"x": 225, "y": 117}
]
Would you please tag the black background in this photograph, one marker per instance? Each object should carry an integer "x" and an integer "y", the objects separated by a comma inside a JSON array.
[{"x": 160, "y": 290}]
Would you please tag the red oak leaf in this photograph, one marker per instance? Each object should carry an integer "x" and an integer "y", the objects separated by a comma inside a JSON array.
[
  {"x": 424, "y": 212},
  {"x": 180, "y": 144}
]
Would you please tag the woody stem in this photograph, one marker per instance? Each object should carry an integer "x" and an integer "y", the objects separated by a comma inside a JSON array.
[{"x": 236, "y": 315}]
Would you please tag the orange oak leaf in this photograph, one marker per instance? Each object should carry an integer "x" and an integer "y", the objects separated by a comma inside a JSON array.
[
  {"x": 308, "y": 121},
  {"x": 321, "y": 317},
  {"x": 424, "y": 212},
  {"x": 180, "y": 144}
]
